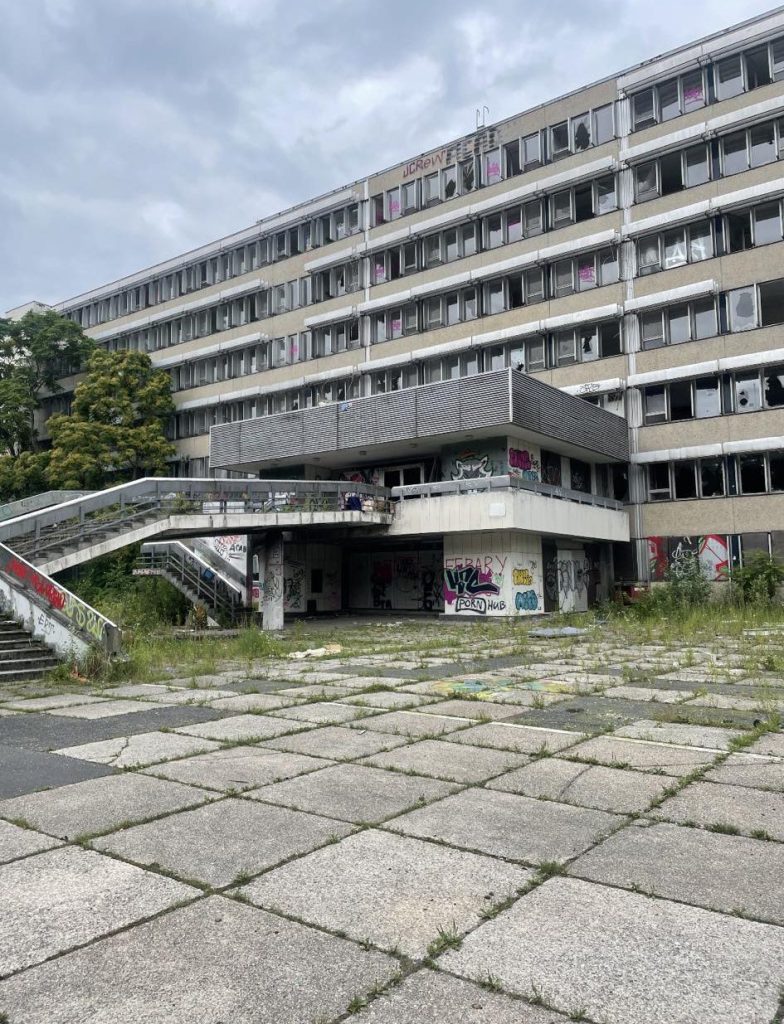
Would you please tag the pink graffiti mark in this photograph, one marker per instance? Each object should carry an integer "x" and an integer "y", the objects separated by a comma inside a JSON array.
[
  {"x": 40, "y": 584},
  {"x": 467, "y": 581}
]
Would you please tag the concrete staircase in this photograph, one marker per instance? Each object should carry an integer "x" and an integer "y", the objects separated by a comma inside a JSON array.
[{"x": 22, "y": 657}]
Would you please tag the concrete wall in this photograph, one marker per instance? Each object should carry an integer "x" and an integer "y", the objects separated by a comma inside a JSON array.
[
  {"x": 312, "y": 573},
  {"x": 498, "y": 574},
  {"x": 408, "y": 580}
]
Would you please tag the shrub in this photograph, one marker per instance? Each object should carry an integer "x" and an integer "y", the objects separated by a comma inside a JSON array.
[{"x": 757, "y": 581}]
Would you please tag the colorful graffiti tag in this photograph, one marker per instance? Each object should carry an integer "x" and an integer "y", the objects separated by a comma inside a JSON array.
[
  {"x": 470, "y": 589},
  {"x": 522, "y": 577},
  {"x": 522, "y": 464},
  {"x": 471, "y": 467},
  {"x": 526, "y": 601},
  {"x": 673, "y": 553}
]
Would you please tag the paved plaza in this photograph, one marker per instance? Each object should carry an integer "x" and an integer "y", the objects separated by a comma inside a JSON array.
[{"x": 440, "y": 824}]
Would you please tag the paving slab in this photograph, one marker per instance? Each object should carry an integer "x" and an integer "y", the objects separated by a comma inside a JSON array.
[
  {"x": 620, "y": 957},
  {"x": 324, "y": 713},
  {"x": 140, "y": 750},
  {"x": 663, "y": 696},
  {"x": 335, "y": 741},
  {"x": 53, "y": 732},
  {"x": 771, "y": 743},
  {"x": 412, "y": 723},
  {"x": 506, "y": 825},
  {"x": 430, "y": 998},
  {"x": 710, "y": 803},
  {"x": 243, "y": 727},
  {"x": 691, "y": 865},
  {"x": 65, "y": 897},
  {"x": 316, "y": 690},
  {"x": 253, "y": 702},
  {"x": 754, "y": 770},
  {"x": 608, "y": 789},
  {"x": 191, "y": 696},
  {"x": 355, "y": 793},
  {"x": 520, "y": 738},
  {"x": 642, "y": 756},
  {"x": 18, "y": 842},
  {"x": 29, "y": 771},
  {"x": 101, "y": 804},
  {"x": 139, "y": 690},
  {"x": 58, "y": 700},
  {"x": 674, "y": 732},
  {"x": 216, "y": 843},
  {"x": 455, "y": 762},
  {"x": 215, "y": 961},
  {"x": 395, "y": 891},
  {"x": 389, "y": 699},
  {"x": 598, "y": 712},
  {"x": 238, "y": 768},
  {"x": 104, "y": 709},
  {"x": 479, "y": 709}
]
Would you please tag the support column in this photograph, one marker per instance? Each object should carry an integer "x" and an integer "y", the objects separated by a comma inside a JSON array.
[{"x": 272, "y": 593}]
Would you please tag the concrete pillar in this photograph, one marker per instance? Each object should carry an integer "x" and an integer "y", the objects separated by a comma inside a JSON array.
[{"x": 272, "y": 594}]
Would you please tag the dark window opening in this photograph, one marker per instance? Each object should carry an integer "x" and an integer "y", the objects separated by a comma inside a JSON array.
[
  {"x": 738, "y": 232},
  {"x": 772, "y": 302},
  {"x": 752, "y": 474},
  {"x": 671, "y": 175},
  {"x": 580, "y": 476},
  {"x": 316, "y": 581},
  {"x": 611, "y": 338},
  {"x": 680, "y": 401},
  {"x": 774, "y": 387},
  {"x": 757, "y": 68},
  {"x": 712, "y": 478},
  {"x": 777, "y": 471},
  {"x": 515, "y": 292},
  {"x": 551, "y": 468},
  {"x": 685, "y": 479},
  {"x": 583, "y": 203}
]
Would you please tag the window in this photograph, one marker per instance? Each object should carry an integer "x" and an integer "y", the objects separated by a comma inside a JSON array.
[
  {"x": 393, "y": 203},
  {"x": 606, "y": 200},
  {"x": 757, "y": 67},
  {"x": 738, "y": 231},
  {"x": 467, "y": 175},
  {"x": 377, "y": 208},
  {"x": 492, "y": 166},
  {"x": 707, "y": 397},
  {"x": 777, "y": 59},
  {"x": 643, "y": 112},
  {"x": 767, "y": 224},
  {"x": 774, "y": 387},
  {"x": 512, "y": 158},
  {"x": 452, "y": 308},
  {"x": 495, "y": 358},
  {"x": 748, "y": 393},
  {"x": 451, "y": 245},
  {"x": 705, "y": 323},
  {"x": 532, "y": 151},
  {"x": 430, "y": 189},
  {"x": 645, "y": 181},
  {"x": 494, "y": 297},
  {"x": 468, "y": 239},
  {"x": 712, "y": 478},
  {"x": 700, "y": 242},
  {"x": 734, "y": 157},
  {"x": 684, "y": 478},
  {"x": 603, "y": 125},
  {"x": 670, "y": 173},
  {"x": 588, "y": 338},
  {"x": 697, "y": 166},
  {"x": 432, "y": 250},
  {"x": 494, "y": 234},
  {"x": 533, "y": 283},
  {"x": 771, "y": 295},
  {"x": 652, "y": 330},
  {"x": 449, "y": 182},
  {"x": 532, "y": 218},
  {"x": 679, "y": 324},
  {"x": 432, "y": 313},
  {"x": 408, "y": 196},
  {"x": 669, "y": 100},
  {"x": 559, "y": 140},
  {"x": 762, "y": 141},
  {"x": 514, "y": 225},
  {"x": 565, "y": 346},
  {"x": 674, "y": 248},
  {"x": 655, "y": 407},
  {"x": 583, "y": 202},
  {"x": 581, "y": 132},
  {"x": 648, "y": 259},
  {"x": 561, "y": 206},
  {"x": 515, "y": 285},
  {"x": 610, "y": 338},
  {"x": 681, "y": 401},
  {"x": 752, "y": 474},
  {"x": 586, "y": 272},
  {"x": 742, "y": 304},
  {"x": 729, "y": 78},
  {"x": 659, "y": 481},
  {"x": 693, "y": 91},
  {"x": 563, "y": 278},
  {"x": 580, "y": 476},
  {"x": 608, "y": 266},
  {"x": 470, "y": 305}
]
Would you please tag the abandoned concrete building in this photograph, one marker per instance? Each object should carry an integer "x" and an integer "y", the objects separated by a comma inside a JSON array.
[{"x": 558, "y": 341}]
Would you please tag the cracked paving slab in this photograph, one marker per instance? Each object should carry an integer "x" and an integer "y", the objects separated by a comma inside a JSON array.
[
  {"x": 450, "y": 761},
  {"x": 215, "y": 960},
  {"x": 85, "y": 808},
  {"x": 621, "y": 957},
  {"x": 397, "y": 892},
  {"x": 141, "y": 750},
  {"x": 642, "y": 755},
  {"x": 54, "y": 901},
  {"x": 521, "y": 738},
  {"x": 238, "y": 768}
]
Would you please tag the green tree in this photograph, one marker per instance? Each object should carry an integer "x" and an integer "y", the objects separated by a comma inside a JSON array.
[
  {"x": 116, "y": 429},
  {"x": 36, "y": 351}
]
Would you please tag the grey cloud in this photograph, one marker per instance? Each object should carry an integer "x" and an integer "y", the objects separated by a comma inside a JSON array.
[{"x": 135, "y": 129}]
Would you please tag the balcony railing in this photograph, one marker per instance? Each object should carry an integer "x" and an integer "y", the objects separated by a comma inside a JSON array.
[{"x": 498, "y": 483}]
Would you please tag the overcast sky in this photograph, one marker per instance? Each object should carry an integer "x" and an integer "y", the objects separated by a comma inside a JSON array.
[{"x": 132, "y": 130}]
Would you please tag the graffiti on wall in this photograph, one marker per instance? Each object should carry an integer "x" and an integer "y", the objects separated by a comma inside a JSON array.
[
  {"x": 574, "y": 576},
  {"x": 372, "y": 475},
  {"x": 524, "y": 465},
  {"x": 293, "y": 580},
  {"x": 675, "y": 553},
  {"x": 471, "y": 467},
  {"x": 381, "y": 577},
  {"x": 526, "y": 599},
  {"x": 522, "y": 577},
  {"x": 473, "y": 585}
]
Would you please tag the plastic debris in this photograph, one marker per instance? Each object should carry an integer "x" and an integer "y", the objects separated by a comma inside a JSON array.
[{"x": 316, "y": 652}]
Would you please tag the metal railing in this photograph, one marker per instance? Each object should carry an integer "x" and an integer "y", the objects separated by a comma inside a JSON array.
[
  {"x": 492, "y": 483},
  {"x": 55, "y": 602},
  {"x": 82, "y": 521},
  {"x": 176, "y": 562}
]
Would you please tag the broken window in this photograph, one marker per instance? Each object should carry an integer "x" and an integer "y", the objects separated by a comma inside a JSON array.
[
  {"x": 580, "y": 475},
  {"x": 772, "y": 302},
  {"x": 752, "y": 474},
  {"x": 748, "y": 394},
  {"x": 712, "y": 478},
  {"x": 583, "y": 202},
  {"x": 684, "y": 476},
  {"x": 610, "y": 335},
  {"x": 742, "y": 304},
  {"x": 774, "y": 387},
  {"x": 467, "y": 176},
  {"x": 515, "y": 292},
  {"x": 589, "y": 343},
  {"x": 659, "y": 481},
  {"x": 449, "y": 182},
  {"x": 581, "y": 132},
  {"x": 432, "y": 250}
]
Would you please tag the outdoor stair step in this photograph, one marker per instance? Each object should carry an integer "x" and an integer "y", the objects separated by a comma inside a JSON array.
[{"x": 22, "y": 674}]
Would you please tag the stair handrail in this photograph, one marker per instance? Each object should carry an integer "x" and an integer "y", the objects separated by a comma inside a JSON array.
[
  {"x": 187, "y": 552},
  {"x": 215, "y": 561},
  {"x": 175, "y": 561},
  {"x": 78, "y": 619}
]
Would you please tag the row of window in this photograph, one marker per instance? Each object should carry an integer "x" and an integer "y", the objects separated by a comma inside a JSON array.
[
  {"x": 717, "y": 477},
  {"x": 243, "y": 259},
  {"x": 463, "y": 176},
  {"x": 731, "y": 76},
  {"x": 731, "y": 154},
  {"x": 714, "y": 395}
]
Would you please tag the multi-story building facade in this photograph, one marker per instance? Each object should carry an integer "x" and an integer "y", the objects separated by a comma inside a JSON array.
[{"x": 623, "y": 244}]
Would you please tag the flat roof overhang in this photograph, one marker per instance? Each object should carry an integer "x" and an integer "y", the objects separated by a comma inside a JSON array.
[{"x": 418, "y": 421}]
